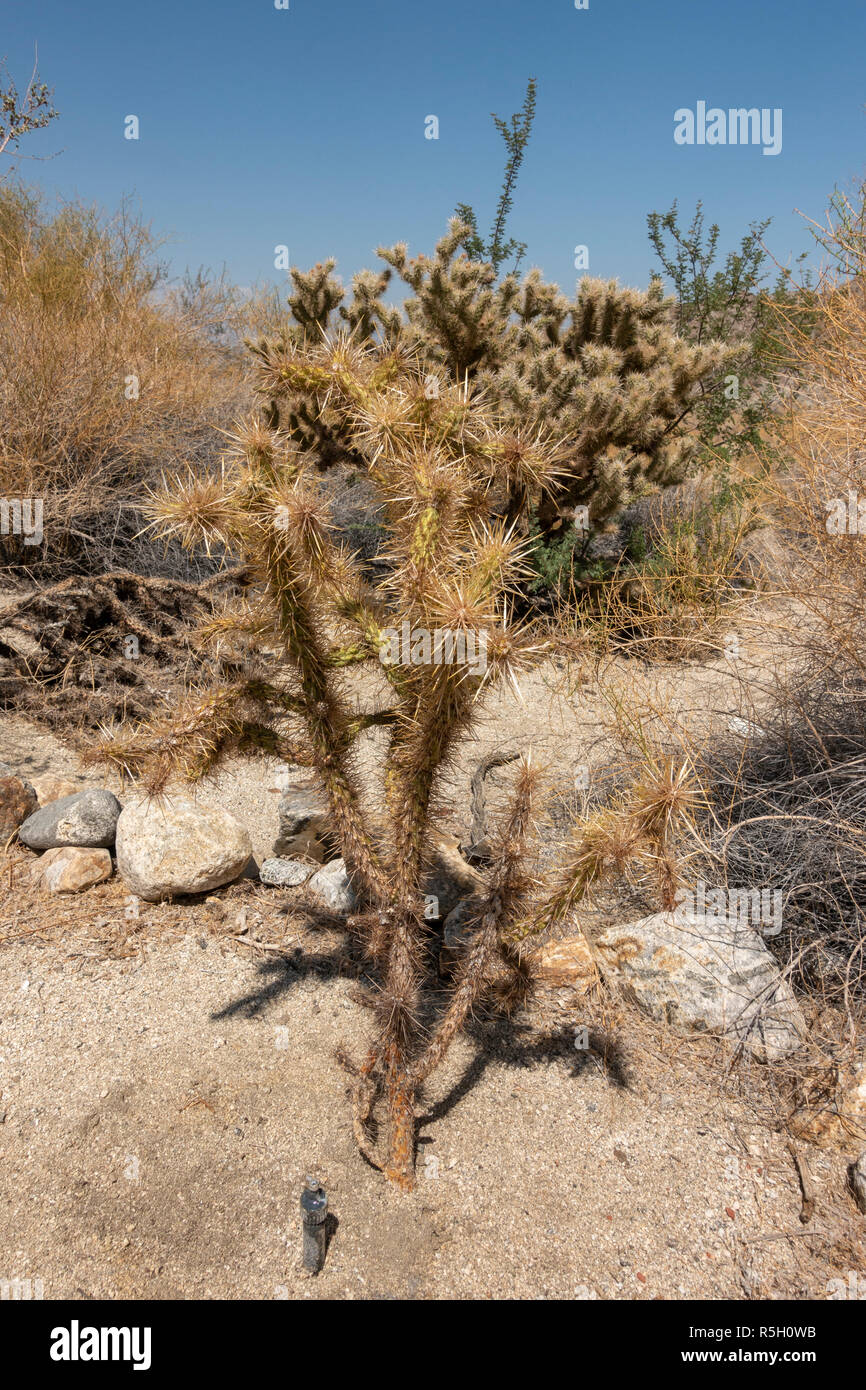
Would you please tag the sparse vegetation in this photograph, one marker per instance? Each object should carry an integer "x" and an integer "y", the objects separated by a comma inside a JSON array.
[
  {"x": 551, "y": 488},
  {"x": 106, "y": 378}
]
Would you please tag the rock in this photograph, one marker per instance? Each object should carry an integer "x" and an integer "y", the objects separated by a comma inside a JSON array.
[
  {"x": 839, "y": 1118},
  {"x": 285, "y": 873},
  {"x": 857, "y": 1181},
  {"x": 69, "y": 870},
  {"x": 449, "y": 878},
  {"x": 306, "y": 828},
  {"x": 711, "y": 976},
  {"x": 566, "y": 963},
  {"x": 333, "y": 887},
  {"x": 174, "y": 846},
  {"x": 87, "y": 819},
  {"x": 51, "y": 788},
  {"x": 18, "y": 801}
]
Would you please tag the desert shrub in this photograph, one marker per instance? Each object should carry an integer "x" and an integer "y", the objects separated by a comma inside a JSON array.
[
  {"x": 22, "y": 113},
  {"x": 789, "y": 816},
  {"x": 106, "y": 377},
  {"x": 670, "y": 579},
  {"x": 818, "y": 493},
  {"x": 790, "y": 801},
  {"x": 515, "y": 135},
  {"x": 729, "y": 301},
  {"x": 605, "y": 371}
]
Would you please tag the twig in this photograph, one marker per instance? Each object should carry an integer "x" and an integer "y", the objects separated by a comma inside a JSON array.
[{"x": 807, "y": 1186}]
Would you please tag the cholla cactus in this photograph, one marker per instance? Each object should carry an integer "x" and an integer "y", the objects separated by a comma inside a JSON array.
[
  {"x": 437, "y": 464},
  {"x": 605, "y": 372}
]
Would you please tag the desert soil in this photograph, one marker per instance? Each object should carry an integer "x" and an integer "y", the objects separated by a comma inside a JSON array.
[{"x": 168, "y": 1078}]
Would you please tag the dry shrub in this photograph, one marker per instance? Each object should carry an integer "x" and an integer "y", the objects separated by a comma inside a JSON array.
[
  {"x": 824, "y": 435},
  {"x": 681, "y": 581},
  {"x": 789, "y": 814},
  {"x": 87, "y": 317}
]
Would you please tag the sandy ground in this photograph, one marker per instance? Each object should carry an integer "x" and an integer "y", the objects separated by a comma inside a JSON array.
[
  {"x": 165, "y": 1086},
  {"x": 163, "y": 1098}
]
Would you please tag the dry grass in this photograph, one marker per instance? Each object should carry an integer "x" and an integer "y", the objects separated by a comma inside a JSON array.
[{"x": 106, "y": 377}]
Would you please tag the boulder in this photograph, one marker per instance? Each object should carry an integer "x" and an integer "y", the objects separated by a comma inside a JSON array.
[
  {"x": 18, "y": 801},
  {"x": 332, "y": 886},
  {"x": 713, "y": 976},
  {"x": 51, "y": 788},
  {"x": 86, "y": 819},
  {"x": 70, "y": 870},
  {"x": 174, "y": 846},
  {"x": 306, "y": 828},
  {"x": 285, "y": 873}
]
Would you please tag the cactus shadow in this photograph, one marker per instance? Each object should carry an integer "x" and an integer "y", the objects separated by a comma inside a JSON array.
[
  {"x": 522, "y": 1047},
  {"x": 280, "y": 975}
]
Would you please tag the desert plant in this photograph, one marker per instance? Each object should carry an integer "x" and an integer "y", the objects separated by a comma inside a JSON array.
[
  {"x": 516, "y": 137},
  {"x": 724, "y": 300},
  {"x": 20, "y": 115},
  {"x": 818, "y": 493},
  {"x": 437, "y": 465},
  {"x": 605, "y": 372},
  {"x": 104, "y": 375}
]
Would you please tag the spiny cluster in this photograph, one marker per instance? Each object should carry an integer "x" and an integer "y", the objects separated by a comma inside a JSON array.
[{"x": 604, "y": 372}]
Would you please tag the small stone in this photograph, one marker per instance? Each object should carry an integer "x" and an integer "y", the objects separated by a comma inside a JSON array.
[
  {"x": 18, "y": 801},
  {"x": 840, "y": 1119},
  {"x": 857, "y": 1181},
  {"x": 333, "y": 887},
  {"x": 86, "y": 819},
  {"x": 50, "y": 788},
  {"x": 567, "y": 962},
  {"x": 448, "y": 878},
  {"x": 285, "y": 873},
  {"x": 70, "y": 870},
  {"x": 305, "y": 824}
]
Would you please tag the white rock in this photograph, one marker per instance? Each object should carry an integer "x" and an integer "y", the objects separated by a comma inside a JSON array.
[
  {"x": 174, "y": 846},
  {"x": 284, "y": 873},
  {"x": 714, "y": 976},
  {"x": 332, "y": 885}
]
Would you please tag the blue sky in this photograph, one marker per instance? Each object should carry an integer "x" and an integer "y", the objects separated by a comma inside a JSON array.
[{"x": 305, "y": 126}]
